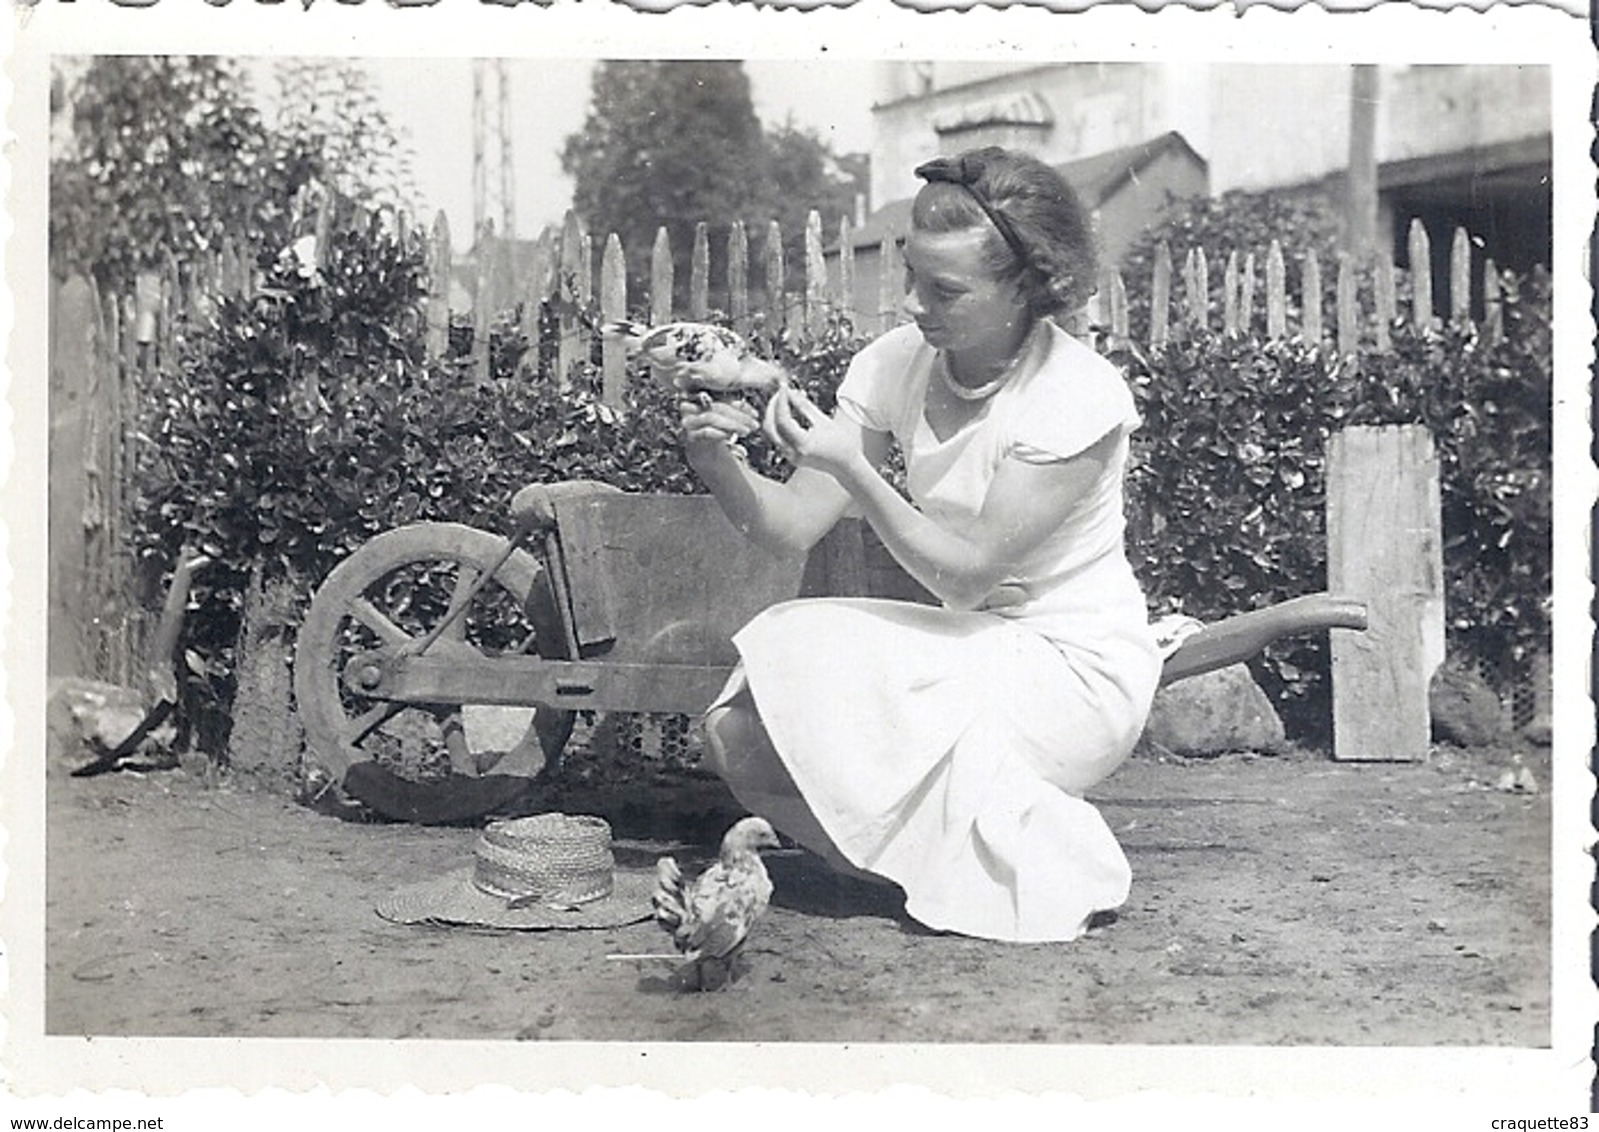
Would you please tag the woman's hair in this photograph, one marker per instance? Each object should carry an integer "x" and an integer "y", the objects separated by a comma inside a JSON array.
[{"x": 1041, "y": 232}]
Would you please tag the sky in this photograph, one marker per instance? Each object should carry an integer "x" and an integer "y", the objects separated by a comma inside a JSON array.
[{"x": 431, "y": 100}]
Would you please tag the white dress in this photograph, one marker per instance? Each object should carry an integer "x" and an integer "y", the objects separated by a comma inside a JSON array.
[{"x": 948, "y": 750}]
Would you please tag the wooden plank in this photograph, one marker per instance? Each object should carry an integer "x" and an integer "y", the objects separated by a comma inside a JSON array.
[
  {"x": 1385, "y": 549},
  {"x": 661, "y": 279},
  {"x": 1310, "y": 298},
  {"x": 1199, "y": 292},
  {"x": 1386, "y": 304},
  {"x": 1460, "y": 279},
  {"x": 536, "y": 292},
  {"x": 889, "y": 285},
  {"x": 776, "y": 315},
  {"x": 738, "y": 277},
  {"x": 1246, "y": 297},
  {"x": 1229, "y": 295},
  {"x": 1493, "y": 305},
  {"x": 572, "y": 348},
  {"x": 665, "y": 577},
  {"x": 846, "y": 272},
  {"x": 74, "y": 351},
  {"x": 613, "y": 305},
  {"x": 1348, "y": 316},
  {"x": 699, "y": 274},
  {"x": 815, "y": 276},
  {"x": 600, "y": 685},
  {"x": 836, "y": 566},
  {"x": 1420, "y": 278},
  {"x": 485, "y": 300},
  {"x": 438, "y": 286},
  {"x": 1160, "y": 296},
  {"x": 1276, "y": 294}
]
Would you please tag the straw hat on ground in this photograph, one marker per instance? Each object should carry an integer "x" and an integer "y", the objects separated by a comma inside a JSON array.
[{"x": 539, "y": 873}]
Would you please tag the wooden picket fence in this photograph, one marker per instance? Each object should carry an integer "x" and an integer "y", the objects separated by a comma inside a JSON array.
[
  {"x": 105, "y": 348},
  {"x": 1254, "y": 297}
]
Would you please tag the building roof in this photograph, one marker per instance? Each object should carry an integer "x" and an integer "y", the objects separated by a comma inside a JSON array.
[{"x": 1096, "y": 179}]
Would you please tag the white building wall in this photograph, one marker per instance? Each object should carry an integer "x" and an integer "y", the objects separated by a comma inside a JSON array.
[
  {"x": 1095, "y": 107},
  {"x": 1258, "y": 125}
]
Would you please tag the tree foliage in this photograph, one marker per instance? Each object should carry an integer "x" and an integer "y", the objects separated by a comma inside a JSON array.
[
  {"x": 672, "y": 144},
  {"x": 166, "y": 156}
]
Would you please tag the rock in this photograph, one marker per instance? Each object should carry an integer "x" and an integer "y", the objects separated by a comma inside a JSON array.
[
  {"x": 1214, "y": 713},
  {"x": 85, "y": 717},
  {"x": 1465, "y": 711}
]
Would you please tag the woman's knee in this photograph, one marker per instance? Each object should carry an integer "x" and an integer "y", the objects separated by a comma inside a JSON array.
[{"x": 728, "y": 731}]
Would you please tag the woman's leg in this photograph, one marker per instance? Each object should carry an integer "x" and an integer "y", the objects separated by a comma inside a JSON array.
[{"x": 740, "y": 752}]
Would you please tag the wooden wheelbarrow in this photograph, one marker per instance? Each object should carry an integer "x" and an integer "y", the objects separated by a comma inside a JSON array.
[{"x": 606, "y": 601}]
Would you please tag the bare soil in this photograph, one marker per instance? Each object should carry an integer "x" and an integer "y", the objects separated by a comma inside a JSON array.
[{"x": 1276, "y": 900}]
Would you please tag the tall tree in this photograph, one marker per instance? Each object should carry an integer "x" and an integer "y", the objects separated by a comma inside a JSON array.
[
  {"x": 669, "y": 144},
  {"x": 163, "y": 156},
  {"x": 331, "y": 108}
]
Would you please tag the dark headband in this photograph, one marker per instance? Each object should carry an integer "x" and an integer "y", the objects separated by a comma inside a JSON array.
[{"x": 966, "y": 171}]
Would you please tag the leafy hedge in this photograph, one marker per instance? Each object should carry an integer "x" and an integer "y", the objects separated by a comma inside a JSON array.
[
  {"x": 305, "y": 419},
  {"x": 1227, "y": 493}
]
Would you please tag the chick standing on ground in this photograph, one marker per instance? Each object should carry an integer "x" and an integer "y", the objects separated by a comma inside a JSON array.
[
  {"x": 698, "y": 358},
  {"x": 711, "y": 917}
]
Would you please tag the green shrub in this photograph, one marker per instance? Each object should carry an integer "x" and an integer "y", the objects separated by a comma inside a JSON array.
[
  {"x": 1227, "y": 490},
  {"x": 305, "y": 419}
]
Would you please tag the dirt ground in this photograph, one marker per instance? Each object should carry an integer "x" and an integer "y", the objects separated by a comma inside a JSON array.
[{"x": 1276, "y": 900}]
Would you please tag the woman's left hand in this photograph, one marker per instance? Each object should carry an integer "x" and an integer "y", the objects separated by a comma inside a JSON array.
[{"x": 809, "y": 437}]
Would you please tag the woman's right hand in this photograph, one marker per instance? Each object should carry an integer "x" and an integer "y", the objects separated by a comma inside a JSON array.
[{"x": 710, "y": 426}]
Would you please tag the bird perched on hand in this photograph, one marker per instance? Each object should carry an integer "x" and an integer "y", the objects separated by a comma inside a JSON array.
[
  {"x": 711, "y": 917},
  {"x": 698, "y": 358}
]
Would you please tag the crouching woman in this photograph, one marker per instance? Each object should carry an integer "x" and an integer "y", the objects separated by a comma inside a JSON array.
[{"x": 948, "y": 749}]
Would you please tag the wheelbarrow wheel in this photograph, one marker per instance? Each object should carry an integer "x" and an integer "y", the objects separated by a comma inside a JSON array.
[{"x": 391, "y": 592}]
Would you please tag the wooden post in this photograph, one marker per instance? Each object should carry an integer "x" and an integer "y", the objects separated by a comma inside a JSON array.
[
  {"x": 1348, "y": 322},
  {"x": 661, "y": 279},
  {"x": 613, "y": 305},
  {"x": 699, "y": 274},
  {"x": 1229, "y": 295},
  {"x": 1197, "y": 281},
  {"x": 1420, "y": 278},
  {"x": 846, "y": 272},
  {"x": 1493, "y": 307},
  {"x": 888, "y": 284},
  {"x": 484, "y": 301},
  {"x": 1246, "y": 297},
  {"x": 1118, "y": 307},
  {"x": 574, "y": 343},
  {"x": 74, "y": 353},
  {"x": 1460, "y": 279},
  {"x": 1310, "y": 298},
  {"x": 438, "y": 290},
  {"x": 773, "y": 251},
  {"x": 738, "y": 271},
  {"x": 535, "y": 293},
  {"x": 1160, "y": 296},
  {"x": 1385, "y": 548},
  {"x": 1360, "y": 184},
  {"x": 1276, "y": 294},
  {"x": 1386, "y": 303},
  {"x": 815, "y": 276}
]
